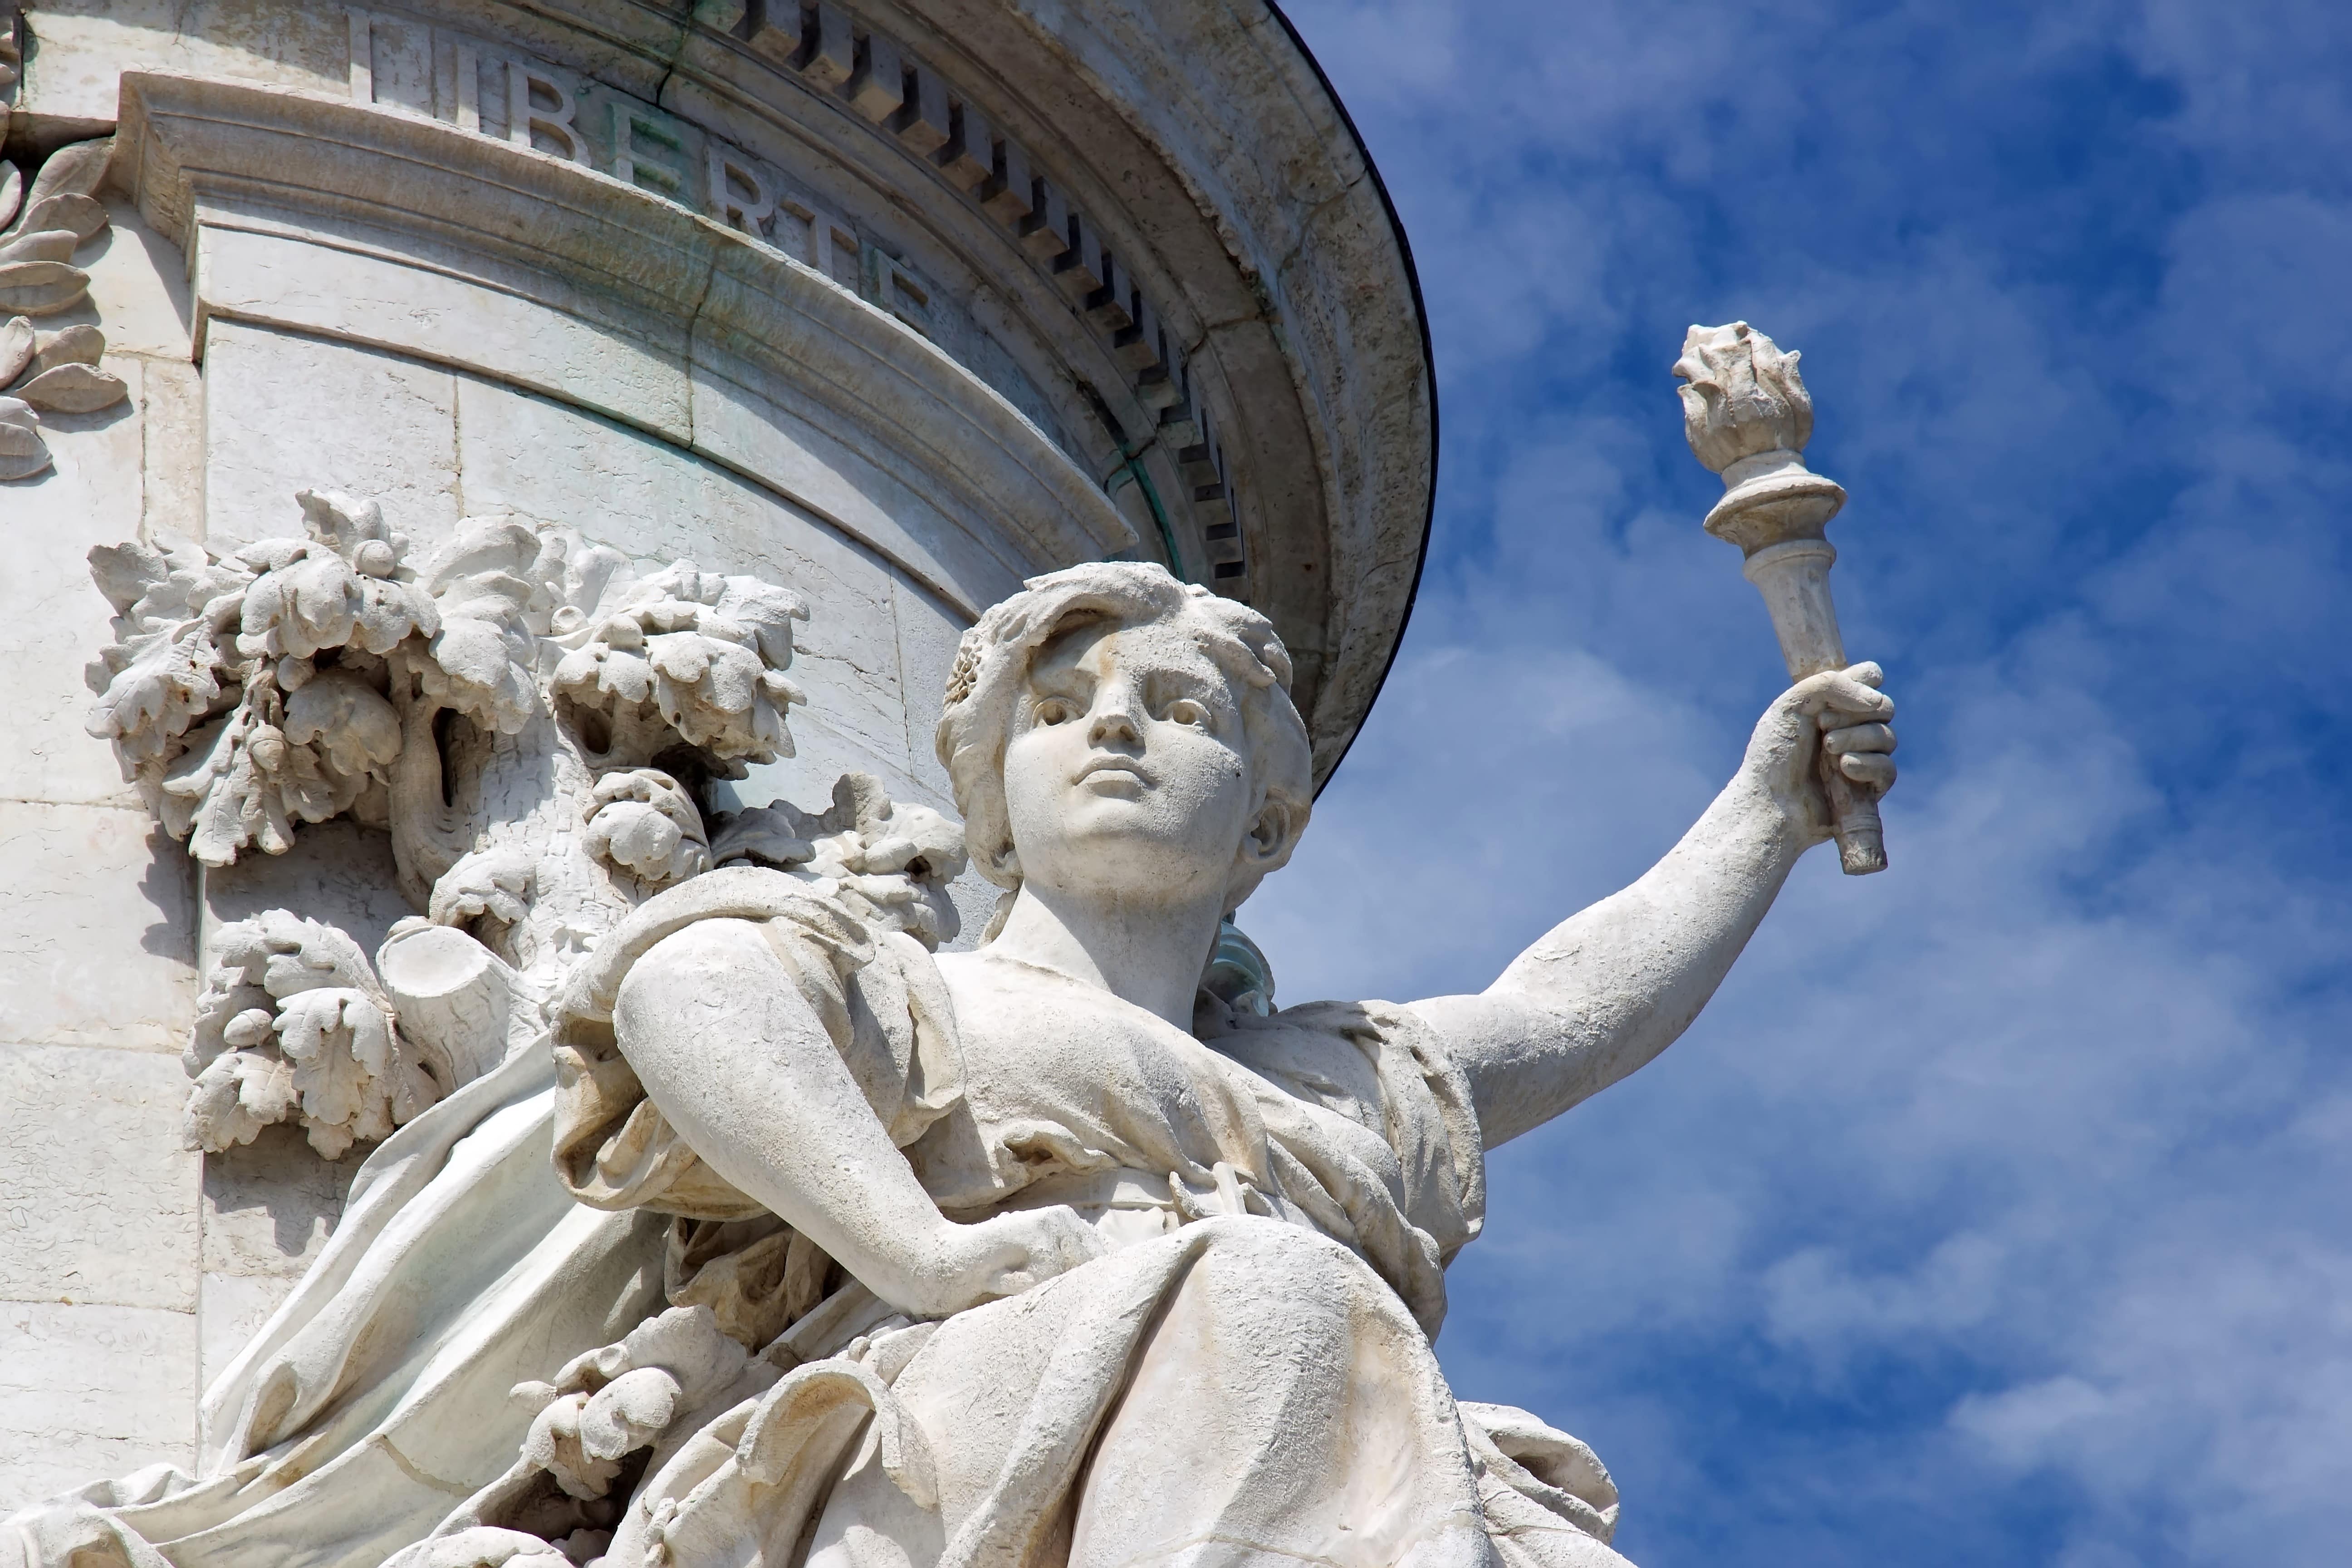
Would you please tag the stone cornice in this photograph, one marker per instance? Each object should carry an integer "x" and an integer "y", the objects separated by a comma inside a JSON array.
[{"x": 1205, "y": 133}]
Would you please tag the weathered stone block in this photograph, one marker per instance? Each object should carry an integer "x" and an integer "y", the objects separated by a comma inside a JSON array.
[
  {"x": 791, "y": 450},
  {"x": 90, "y": 1392},
  {"x": 286, "y": 411},
  {"x": 137, "y": 287},
  {"x": 171, "y": 415},
  {"x": 268, "y": 1208},
  {"x": 336, "y": 871},
  {"x": 928, "y": 630},
  {"x": 337, "y": 294},
  {"x": 269, "y": 1205},
  {"x": 232, "y": 1309},
  {"x": 86, "y": 44},
  {"x": 52, "y": 620},
  {"x": 657, "y": 503},
  {"x": 98, "y": 1199},
  {"x": 97, "y": 935}
]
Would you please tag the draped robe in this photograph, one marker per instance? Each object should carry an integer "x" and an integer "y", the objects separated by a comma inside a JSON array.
[{"x": 1246, "y": 1376}]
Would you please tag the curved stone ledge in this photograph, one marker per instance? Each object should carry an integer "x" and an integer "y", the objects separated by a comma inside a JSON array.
[{"x": 402, "y": 233}]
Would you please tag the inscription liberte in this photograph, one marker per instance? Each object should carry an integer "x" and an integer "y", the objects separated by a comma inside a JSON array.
[{"x": 404, "y": 63}]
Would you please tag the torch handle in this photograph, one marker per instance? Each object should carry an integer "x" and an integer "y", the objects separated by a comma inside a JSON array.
[
  {"x": 1794, "y": 578},
  {"x": 1853, "y": 823}
]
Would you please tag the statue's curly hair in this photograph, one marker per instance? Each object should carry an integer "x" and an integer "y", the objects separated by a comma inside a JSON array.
[{"x": 992, "y": 667}]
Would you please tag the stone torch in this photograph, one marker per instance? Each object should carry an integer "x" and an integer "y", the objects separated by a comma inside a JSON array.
[{"x": 1748, "y": 416}]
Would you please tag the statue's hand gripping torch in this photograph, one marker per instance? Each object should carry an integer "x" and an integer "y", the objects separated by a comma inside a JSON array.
[{"x": 1748, "y": 416}]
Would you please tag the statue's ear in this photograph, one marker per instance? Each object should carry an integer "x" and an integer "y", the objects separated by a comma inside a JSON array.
[{"x": 1273, "y": 834}]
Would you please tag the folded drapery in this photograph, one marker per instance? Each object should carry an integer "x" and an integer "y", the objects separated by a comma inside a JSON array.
[{"x": 620, "y": 1353}]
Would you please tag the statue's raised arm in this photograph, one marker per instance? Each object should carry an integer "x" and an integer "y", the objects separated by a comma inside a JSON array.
[
  {"x": 1609, "y": 988},
  {"x": 1612, "y": 986}
]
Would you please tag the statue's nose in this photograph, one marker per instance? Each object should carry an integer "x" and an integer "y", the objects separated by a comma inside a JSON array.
[{"x": 1116, "y": 715}]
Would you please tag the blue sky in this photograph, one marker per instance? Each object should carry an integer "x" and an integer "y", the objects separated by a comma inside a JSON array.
[{"x": 1995, "y": 1213}]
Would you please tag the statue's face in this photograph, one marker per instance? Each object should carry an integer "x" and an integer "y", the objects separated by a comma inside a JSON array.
[{"x": 1127, "y": 772}]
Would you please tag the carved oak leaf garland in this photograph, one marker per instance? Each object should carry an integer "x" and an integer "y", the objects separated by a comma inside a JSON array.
[
  {"x": 484, "y": 653},
  {"x": 293, "y": 1024},
  {"x": 245, "y": 695},
  {"x": 499, "y": 706},
  {"x": 890, "y": 862},
  {"x": 59, "y": 370},
  {"x": 704, "y": 651}
]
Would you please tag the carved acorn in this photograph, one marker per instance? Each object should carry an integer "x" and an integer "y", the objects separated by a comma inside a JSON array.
[
  {"x": 342, "y": 586},
  {"x": 643, "y": 824},
  {"x": 266, "y": 743},
  {"x": 354, "y": 731}
]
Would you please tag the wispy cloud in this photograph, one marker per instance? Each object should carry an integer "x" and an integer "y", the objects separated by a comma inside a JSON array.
[{"x": 1994, "y": 1212}]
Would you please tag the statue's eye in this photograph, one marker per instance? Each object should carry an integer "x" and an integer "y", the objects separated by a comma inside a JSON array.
[
  {"x": 1185, "y": 711},
  {"x": 1056, "y": 710}
]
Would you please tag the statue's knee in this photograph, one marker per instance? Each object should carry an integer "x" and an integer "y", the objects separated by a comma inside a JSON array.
[{"x": 1279, "y": 1270}]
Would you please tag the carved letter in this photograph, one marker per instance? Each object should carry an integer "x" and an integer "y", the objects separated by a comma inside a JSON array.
[
  {"x": 362, "y": 57},
  {"x": 524, "y": 117},
  {"x": 731, "y": 172},
  {"x": 630, "y": 122},
  {"x": 824, "y": 228},
  {"x": 898, "y": 291}
]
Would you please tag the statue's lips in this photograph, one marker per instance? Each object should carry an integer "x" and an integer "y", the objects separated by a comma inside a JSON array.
[{"x": 1115, "y": 772}]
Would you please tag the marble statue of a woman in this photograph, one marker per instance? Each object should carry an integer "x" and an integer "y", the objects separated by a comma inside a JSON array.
[{"x": 868, "y": 1257}]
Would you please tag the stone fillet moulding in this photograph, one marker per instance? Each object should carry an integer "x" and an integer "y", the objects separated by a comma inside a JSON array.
[{"x": 966, "y": 292}]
